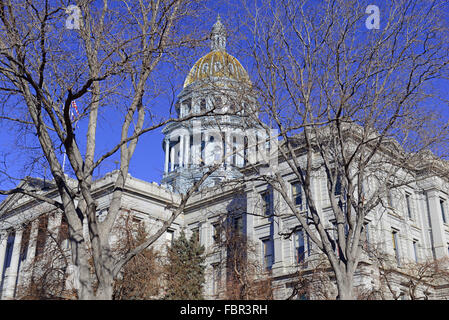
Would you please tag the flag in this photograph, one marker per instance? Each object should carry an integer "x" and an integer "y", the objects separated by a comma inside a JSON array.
[{"x": 74, "y": 107}]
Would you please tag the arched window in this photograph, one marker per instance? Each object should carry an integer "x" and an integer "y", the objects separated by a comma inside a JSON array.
[
  {"x": 203, "y": 105},
  {"x": 234, "y": 150},
  {"x": 218, "y": 103},
  {"x": 245, "y": 150}
]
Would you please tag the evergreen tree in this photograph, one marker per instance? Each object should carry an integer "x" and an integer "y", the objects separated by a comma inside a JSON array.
[{"x": 185, "y": 269}]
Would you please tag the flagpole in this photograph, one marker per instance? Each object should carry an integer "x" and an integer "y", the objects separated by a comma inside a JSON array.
[{"x": 63, "y": 163}]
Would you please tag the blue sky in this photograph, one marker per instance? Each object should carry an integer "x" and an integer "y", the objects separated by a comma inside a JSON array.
[{"x": 148, "y": 160}]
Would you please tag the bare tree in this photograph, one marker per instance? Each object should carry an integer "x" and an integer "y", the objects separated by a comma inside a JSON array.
[
  {"x": 108, "y": 61},
  {"x": 414, "y": 280},
  {"x": 245, "y": 276},
  {"x": 354, "y": 107},
  {"x": 45, "y": 275}
]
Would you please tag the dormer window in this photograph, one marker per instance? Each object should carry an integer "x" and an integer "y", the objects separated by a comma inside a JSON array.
[{"x": 205, "y": 67}]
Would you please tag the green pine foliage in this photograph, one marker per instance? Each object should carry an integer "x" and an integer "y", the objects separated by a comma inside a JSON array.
[{"x": 185, "y": 269}]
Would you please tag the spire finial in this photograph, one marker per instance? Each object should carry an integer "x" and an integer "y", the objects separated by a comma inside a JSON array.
[{"x": 218, "y": 36}]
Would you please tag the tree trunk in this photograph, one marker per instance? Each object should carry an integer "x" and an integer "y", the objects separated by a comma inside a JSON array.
[{"x": 345, "y": 287}]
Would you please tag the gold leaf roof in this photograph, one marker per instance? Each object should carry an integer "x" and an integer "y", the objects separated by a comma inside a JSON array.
[{"x": 217, "y": 63}]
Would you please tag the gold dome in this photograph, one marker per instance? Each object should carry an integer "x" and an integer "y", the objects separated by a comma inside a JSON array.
[{"x": 217, "y": 63}]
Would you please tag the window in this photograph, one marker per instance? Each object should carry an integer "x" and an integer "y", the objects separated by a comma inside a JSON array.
[
  {"x": 63, "y": 235},
  {"x": 245, "y": 150},
  {"x": 187, "y": 104},
  {"x": 25, "y": 241},
  {"x": 203, "y": 105},
  {"x": 337, "y": 190},
  {"x": 299, "y": 246},
  {"x": 203, "y": 148},
  {"x": 41, "y": 235},
  {"x": 267, "y": 247},
  {"x": 8, "y": 252},
  {"x": 196, "y": 234},
  {"x": 218, "y": 103},
  {"x": 443, "y": 211},
  {"x": 395, "y": 242},
  {"x": 216, "y": 278},
  {"x": 409, "y": 206},
  {"x": 297, "y": 194},
  {"x": 169, "y": 236},
  {"x": 267, "y": 202},
  {"x": 389, "y": 196},
  {"x": 234, "y": 151},
  {"x": 216, "y": 232},
  {"x": 415, "y": 250},
  {"x": 238, "y": 225}
]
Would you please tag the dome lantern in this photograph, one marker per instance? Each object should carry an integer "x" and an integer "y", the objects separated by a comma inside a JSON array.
[{"x": 218, "y": 36}]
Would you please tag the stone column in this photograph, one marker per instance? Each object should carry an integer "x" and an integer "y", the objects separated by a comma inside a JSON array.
[
  {"x": 226, "y": 148},
  {"x": 187, "y": 152},
  {"x": 3, "y": 243},
  {"x": 10, "y": 280},
  {"x": 167, "y": 152},
  {"x": 436, "y": 220},
  {"x": 172, "y": 158},
  {"x": 181, "y": 151},
  {"x": 33, "y": 239}
]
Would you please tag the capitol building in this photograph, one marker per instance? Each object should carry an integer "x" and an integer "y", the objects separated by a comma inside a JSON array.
[{"x": 220, "y": 149}]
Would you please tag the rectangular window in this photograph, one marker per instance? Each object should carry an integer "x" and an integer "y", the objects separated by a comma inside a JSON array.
[
  {"x": 216, "y": 232},
  {"x": 216, "y": 278},
  {"x": 169, "y": 236},
  {"x": 389, "y": 196},
  {"x": 187, "y": 106},
  {"x": 218, "y": 103},
  {"x": 203, "y": 148},
  {"x": 337, "y": 190},
  {"x": 267, "y": 248},
  {"x": 395, "y": 242},
  {"x": 41, "y": 235},
  {"x": 299, "y": 246},
  {"x": 409, "y": 205},
  {"x": 63, "y": 230},
  {"x": 238, "y": 225},
  {"x": 297, "y": 194},
  {"x": 415, "y": 250},
  {"x": 25, "y": 241},
  {"x": 234, "y": 151},
  {"x": 267, "y": 202},
  {"x": 443, "y": 209},
  {"x": 8, "y": 252},
  {"x": 196, "y": 234},
  {"x": 203, "y": 105}
]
